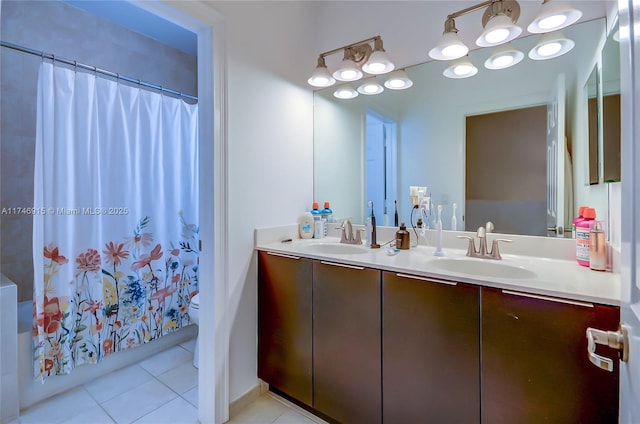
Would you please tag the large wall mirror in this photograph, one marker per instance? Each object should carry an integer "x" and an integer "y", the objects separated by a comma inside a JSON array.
[{"x": 376, "y": 147}]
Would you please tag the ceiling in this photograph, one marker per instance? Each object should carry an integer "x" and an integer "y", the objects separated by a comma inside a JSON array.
[
  {"x": 139, "y": 20},
  {"x": 409, "y": 28}
]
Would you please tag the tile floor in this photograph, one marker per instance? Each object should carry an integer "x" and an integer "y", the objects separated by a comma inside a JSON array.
[{"x": 160, "y": 389}]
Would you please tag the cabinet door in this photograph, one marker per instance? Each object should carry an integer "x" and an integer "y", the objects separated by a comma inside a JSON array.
[
  {"x": 534, "y": 361},
  {"x": 430, "y": 350},
  {"x": 284, "y": 324},
  {"x": 346, "y": 343}
]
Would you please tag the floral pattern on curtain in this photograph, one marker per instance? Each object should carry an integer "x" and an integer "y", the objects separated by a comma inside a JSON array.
[
  {"x": 115, "y": 242},
  {"x": 143, "y": 293}
]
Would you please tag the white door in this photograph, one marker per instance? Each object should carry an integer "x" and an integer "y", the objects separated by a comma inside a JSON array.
[
  {"x": 555, "y": 161},
  {"x": 628, "y": 337},
  {"x": 629, "y": 11},
  {"x": 381, "y": 167}
]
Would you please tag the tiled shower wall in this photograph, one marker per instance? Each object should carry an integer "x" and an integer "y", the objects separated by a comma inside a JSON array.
[{"x": 60, "y": 29}]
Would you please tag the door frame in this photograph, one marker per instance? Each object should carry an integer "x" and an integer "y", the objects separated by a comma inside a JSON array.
[
  {"x": 629, "y": 14},
  {"x": 214, "y": 325}
]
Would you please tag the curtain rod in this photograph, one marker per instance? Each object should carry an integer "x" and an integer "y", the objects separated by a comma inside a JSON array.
[{"x": 93, "y": 69}]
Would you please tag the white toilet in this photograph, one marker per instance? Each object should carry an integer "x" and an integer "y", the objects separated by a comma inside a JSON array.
[{"x": 194, "y": 314}]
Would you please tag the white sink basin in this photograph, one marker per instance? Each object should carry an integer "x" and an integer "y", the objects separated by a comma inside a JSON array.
[
  {"x": 334, "y": 248},
  {"x": 482, "y": 267}
]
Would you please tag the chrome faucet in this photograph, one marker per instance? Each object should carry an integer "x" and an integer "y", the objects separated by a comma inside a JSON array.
[
  {"x": 347, "y": 233},
  {"x": 482, "y": 251}
]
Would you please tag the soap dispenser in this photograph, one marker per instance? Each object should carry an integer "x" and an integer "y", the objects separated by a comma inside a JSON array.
[{"x": 402, "y": 238}]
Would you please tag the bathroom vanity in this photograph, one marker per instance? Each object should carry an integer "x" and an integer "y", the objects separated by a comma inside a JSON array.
[{"x": 360, "y": 336}]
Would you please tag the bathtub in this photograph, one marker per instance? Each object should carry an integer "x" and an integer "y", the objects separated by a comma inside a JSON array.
[
  {"x": 32, "y": 390},
  {"x": 9, "y": 408}
]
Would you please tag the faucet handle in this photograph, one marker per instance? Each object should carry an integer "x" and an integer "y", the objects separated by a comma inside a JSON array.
[
  {"x": 489, "y": 227},
  {"x": 482, "y": 232},
  {"x": 471, "y": 248},
  {"x": 495, "y": 251}
]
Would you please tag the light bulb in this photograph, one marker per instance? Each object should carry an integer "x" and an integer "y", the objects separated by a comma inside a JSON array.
[
  {"x": 370, "y": 86},
  {"x": 377, "y": 67},
  {"x": 455, "y": 50},
  {"x": 345, "y": 93},
  {"x": 552, "y": 22},
  {"x": 549, "y": 49},
  {"x": 502, "y": 61},
  {"x": 462, "y": 70},
  {"x": 497, "y": 35},
  {"x": 320, "y": 81}
]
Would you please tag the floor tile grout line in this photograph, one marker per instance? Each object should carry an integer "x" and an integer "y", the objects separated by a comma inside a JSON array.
[
  {"x": 116, "y": 395},
  {"x": 153, "y": 410}
]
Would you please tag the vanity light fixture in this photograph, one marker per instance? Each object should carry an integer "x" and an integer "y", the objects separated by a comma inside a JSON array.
[
  {"x": 504, "y": 56},
  {"x": 500, "y": 26},
  {"x": 348, "y": 70},
  {"x": 398, "y": 80},
  {"x": 378, "y": 62},
  {"x": 321, "y": 76},
  {"x": 551, "y": 45},
  {"x": 345, "y": 92},
  {"x": 552, "y": 17},
  {"x": 461, "y": 68},
  {"x": 358, "y": 57},
  {"x": 449, "y": 47},
  {"x": 499, "y": 23},
  {"x": 370, "y": 86}
]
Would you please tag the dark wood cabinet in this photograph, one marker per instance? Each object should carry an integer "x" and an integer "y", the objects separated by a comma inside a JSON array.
[
  {"x": 430, "y": 350},
  {"x": 284, "y": 324},
  {"x": 364, "y": 346},
  {"x": 346, "y": 343},
  {"x": 535, "y": 367}
]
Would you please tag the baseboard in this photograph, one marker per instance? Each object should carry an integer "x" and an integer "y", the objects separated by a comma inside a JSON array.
[{"x": 243, "y": 401}]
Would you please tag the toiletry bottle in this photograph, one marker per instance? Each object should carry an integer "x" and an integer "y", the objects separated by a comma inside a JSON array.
[
  {"x": 439, "y": 251},
  {"x": 395, "y": 215},
  {"x": 318, "y": 224},
  {"x": 402, "y": 238},
  {"x": 327, "y": 216},
  {"x": 597, "y": 247},
  {"x": 371, "y": 236},
  {"x": 454, "y": 220},
  {"x": 305, "y": 225},
  {"x": 414, "y": 196},
  {"x": 583, "y": 227},
  {"x": 576, "y": 220}
]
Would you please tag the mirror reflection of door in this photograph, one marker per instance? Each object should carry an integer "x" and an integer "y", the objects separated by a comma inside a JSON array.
[
  {"x": 559, "y": 169},
  {"x": 381, "y": 167},
  {"x": 506, "y": 171},
  {"x": 593, "y": 99}
]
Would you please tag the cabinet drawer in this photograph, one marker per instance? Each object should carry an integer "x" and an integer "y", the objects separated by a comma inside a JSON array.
[{"x": 534, "y": 360}]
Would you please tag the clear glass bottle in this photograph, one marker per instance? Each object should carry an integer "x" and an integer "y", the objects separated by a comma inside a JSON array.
[{"x": 597, "y": 247}]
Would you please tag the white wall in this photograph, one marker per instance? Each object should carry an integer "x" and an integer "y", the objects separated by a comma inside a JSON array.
[{"x": 270, "y": 142}]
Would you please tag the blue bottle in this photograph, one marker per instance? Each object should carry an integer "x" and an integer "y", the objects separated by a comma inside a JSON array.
[{"x": 327, "y": 215}]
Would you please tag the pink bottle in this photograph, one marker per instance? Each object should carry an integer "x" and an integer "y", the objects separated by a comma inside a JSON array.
[
  {"x": 576, "y": 220},
  {"x": 583, "y": 227}
]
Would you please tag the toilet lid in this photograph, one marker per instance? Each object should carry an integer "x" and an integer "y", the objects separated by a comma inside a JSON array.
[{"x": 195, "y": 301}]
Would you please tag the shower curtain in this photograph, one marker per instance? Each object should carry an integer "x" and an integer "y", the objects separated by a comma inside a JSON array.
[{"x": 115, "y": 234}]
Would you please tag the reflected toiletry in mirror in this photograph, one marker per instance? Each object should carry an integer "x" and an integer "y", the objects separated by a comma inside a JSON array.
[{"x": 418, "y": 136}]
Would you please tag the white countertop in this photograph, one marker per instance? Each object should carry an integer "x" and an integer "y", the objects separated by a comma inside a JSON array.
[{"x": 553, "y": 277}]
